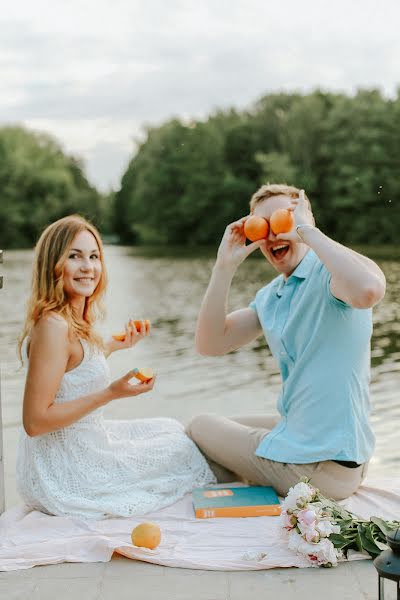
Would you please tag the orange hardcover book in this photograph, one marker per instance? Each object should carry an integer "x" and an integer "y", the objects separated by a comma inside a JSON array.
[{"x": 246, "y": 501}]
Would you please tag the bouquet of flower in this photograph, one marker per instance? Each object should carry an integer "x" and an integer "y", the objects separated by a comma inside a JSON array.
[{"x": 324, "y": 531}]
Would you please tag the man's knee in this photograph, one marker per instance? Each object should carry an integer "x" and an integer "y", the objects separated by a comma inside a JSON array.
[{"x": 197, "y": 425}]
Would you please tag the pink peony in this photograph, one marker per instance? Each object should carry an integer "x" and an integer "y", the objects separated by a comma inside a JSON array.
[{"x": 307, "y": 516}]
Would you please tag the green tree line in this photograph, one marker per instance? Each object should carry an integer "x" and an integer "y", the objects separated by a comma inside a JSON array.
[
  {"x": 188, "y": 180},
  {"x": 39, "y": 183}
]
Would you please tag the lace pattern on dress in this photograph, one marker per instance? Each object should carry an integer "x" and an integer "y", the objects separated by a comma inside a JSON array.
[{"x": 97, "y": 468}]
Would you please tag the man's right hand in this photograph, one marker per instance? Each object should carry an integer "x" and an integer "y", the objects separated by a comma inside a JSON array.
[{"x": 232, "y": 250}]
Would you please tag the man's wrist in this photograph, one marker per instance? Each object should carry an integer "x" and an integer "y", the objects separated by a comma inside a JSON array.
[{"x": 224, "y": 268}]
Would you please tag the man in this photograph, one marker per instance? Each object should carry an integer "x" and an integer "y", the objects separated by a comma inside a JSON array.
[{"x": 317, "y": 319}]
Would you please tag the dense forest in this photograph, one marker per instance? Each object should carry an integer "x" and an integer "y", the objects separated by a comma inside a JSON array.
[
  {"x": 187, "y": 180},
  {"x": 39, "y": 183}
]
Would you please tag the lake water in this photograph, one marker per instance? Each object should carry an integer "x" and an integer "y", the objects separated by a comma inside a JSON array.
[{"x": 168, "y": 291}]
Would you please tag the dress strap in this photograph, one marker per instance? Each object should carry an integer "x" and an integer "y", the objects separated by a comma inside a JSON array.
[{"x": 24, "y": 349}]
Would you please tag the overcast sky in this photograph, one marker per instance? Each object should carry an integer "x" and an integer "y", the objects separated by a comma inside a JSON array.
[{"x": 93, "y": 72}]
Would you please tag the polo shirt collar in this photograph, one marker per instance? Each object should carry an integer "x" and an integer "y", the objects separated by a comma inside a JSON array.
[
  {"x": 302, "y": 271},
  {"x": 304, "y": 267}
]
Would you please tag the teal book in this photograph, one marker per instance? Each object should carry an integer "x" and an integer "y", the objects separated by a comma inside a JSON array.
[{"x": 249, "y": 501}]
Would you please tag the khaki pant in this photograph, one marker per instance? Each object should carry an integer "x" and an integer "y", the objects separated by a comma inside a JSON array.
[{"x": 229, "y": 445}]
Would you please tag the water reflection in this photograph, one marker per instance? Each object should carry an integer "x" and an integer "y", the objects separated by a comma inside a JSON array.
[{"x": 168, "y": 290}]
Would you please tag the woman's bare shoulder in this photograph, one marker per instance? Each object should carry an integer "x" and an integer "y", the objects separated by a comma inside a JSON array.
[{"x": 49, "y": 325}]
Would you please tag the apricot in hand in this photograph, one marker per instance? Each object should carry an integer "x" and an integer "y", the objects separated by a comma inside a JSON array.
[
  {"x": 146, "y": 535},
  {"x": 281, "y": 221},
  {"x": 256, "y": 228},
  {"x": 120, "y": 336},
  {"x": 144, "y": 374}
]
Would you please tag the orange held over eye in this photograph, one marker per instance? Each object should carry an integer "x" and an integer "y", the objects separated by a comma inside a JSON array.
[
  {"x": 256, "y": 228},
  {"x": 144, "y": 374},
  {"x": 146, "y": 535},
  {"x": 282, "y": 221}
]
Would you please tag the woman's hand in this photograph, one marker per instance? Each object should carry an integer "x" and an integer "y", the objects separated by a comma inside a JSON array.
[
  {"x": 232, "y": 250},
  {"x": 132, "y": 336},
  {"x": 122, "y": 388}
]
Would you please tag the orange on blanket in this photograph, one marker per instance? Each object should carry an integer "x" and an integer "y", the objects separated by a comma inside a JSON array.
[{"x": 146, "y": 535}]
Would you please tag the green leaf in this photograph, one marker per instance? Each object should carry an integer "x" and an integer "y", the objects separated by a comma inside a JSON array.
[
  {"x": 358, "y": 539},
  {"x": 369, "y": 546},
  {"x": 373, "y": 532},
  {"x": 338, "y": 540},
  {"x": 383, "y": 525}
]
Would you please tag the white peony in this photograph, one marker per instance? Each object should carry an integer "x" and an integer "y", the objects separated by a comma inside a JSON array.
[
  {"x": 309, "y": 532},
  {"x": 318, "y": 554},
  {"x": 301, "y": 493},
  {"x": 326, "y": 527},
  {"x": 307, "y": 516}
]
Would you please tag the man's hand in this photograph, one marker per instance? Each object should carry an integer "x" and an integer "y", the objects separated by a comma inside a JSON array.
[
  {"x": 302, "y": 215},
  {"x": 232, "y": 250}
]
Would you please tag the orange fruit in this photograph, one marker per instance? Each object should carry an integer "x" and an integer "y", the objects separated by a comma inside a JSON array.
[
  {"x": 281, "y": 221},
  {"x": 256, "y": 228},
  {"x": 120, "y": 336},
  {"x": 146, "y": 535},
  {"x": 144, "y": 374},
  {"x": 138, "y": 324}
]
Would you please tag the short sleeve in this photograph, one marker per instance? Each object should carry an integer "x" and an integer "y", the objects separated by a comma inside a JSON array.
[
  {"x": 253, "y": 305},
  {"x": 327, "y": 277}
]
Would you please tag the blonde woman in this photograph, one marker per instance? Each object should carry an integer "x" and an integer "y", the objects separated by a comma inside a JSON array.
[{"x": 72, "y": 461}]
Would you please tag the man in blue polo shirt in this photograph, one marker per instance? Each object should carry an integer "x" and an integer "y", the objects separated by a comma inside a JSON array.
[{"x": 317, "y": 319}]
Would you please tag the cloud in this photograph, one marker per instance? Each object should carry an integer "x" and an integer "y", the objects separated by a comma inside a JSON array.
[{"x": 93, "y": 72}]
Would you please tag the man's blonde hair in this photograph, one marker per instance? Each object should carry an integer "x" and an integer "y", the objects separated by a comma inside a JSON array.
[{"x": 275, "y": 189}]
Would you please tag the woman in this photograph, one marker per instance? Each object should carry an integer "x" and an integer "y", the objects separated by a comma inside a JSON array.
[{"x": 71, "y": 461}]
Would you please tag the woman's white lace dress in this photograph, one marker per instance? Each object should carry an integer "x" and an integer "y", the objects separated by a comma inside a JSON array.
[{"x": 98, "y": 468}]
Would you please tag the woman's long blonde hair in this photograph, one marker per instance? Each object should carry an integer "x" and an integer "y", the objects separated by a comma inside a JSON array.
[{"x": 51, "y": 253}]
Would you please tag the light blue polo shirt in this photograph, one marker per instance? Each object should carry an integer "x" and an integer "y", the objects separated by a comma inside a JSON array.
[{"x": 322, "y": 346}]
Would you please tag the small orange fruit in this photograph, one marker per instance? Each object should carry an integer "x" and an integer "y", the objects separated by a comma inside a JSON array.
[
  {"x": 120, "y": 336},
  {"x": 282, "y": 221},
  {"x": 144, "y": 374},
  {"x": 146, "y": 535},
  {"x": 138, "y": 324},
  {"x": 256, "y": 228}
]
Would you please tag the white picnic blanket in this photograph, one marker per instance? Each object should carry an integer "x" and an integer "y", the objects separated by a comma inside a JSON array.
[{"x": 30, "y": 538}]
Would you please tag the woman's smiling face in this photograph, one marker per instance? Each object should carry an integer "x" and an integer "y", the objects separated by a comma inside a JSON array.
[
  {"x": 283, "y": 255},
  {"x": 82, "y": 269}
]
